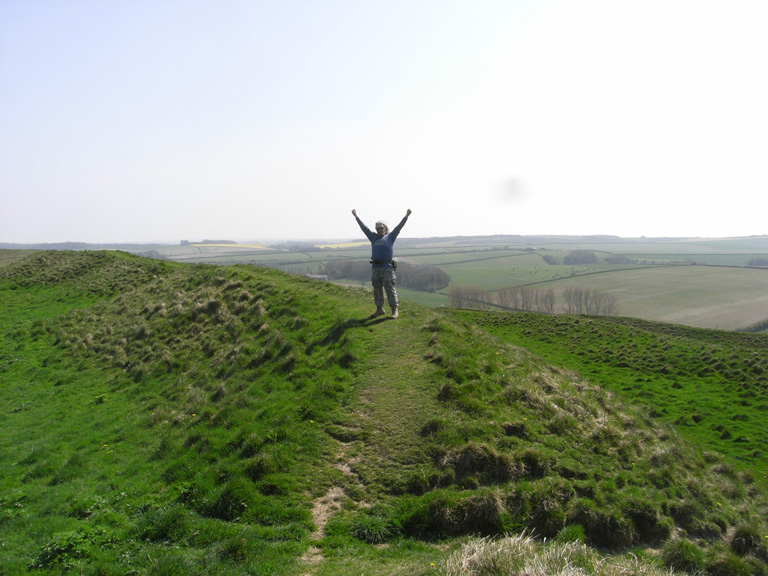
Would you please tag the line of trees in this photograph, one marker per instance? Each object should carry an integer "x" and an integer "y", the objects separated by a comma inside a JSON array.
[
  {"x": 588, "y": 301},
  {"x": 418, "y": 277},
  {"x": 527, "y": 298},
  {"x": 530, "y": 299}
]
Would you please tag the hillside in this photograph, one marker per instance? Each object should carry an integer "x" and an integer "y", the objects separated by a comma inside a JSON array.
[
  {"x": 711, "y": 384},
  {"x": 162, "y": 418}
]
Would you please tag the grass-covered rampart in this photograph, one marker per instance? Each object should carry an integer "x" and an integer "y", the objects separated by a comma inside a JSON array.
[
  {"x": 711, "y": 384},
  {"x": 161, "y": 418}
]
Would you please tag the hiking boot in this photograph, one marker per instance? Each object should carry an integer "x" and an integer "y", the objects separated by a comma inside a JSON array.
[
  {"x": 394, "y": 313},
  {"x": 379, "y": 312}
]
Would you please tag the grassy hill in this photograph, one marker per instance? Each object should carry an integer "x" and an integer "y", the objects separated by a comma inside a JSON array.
[
  {"x": 165, "y": 418},
  {"x": 712, "y": 385}
]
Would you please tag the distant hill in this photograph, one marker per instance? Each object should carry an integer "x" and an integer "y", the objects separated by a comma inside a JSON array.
[
  {"x": 165, "y": 418},
  {"x": 77, "y": 246}
]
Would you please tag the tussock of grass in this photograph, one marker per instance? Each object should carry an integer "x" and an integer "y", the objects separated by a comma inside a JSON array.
[{"x": 523, "y": 555}]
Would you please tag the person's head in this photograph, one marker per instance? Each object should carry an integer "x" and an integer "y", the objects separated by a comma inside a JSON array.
[{"x": 382, "y": 228}]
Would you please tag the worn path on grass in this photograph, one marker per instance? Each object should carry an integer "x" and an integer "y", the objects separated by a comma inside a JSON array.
[{"x": 397, "y": 394}]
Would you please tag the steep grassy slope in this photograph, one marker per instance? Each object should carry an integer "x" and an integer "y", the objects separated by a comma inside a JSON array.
[
  {"x": 712, "y": 384},
  {"x": 169, "y": 419}
]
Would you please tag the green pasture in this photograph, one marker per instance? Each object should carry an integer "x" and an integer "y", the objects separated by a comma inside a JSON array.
[
  {"x": 748, "y": 245},
  {"x": 739, "y": 259}
]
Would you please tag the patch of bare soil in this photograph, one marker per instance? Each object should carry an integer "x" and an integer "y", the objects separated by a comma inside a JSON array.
[{"x": 325, "y": 507}]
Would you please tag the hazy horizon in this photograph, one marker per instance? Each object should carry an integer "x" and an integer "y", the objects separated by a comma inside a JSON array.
[
  {"x": 156, "y": 122},
  {"x": 362, "y": 241}
]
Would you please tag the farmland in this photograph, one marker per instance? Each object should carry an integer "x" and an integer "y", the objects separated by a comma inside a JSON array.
[{"x": 700, "y": 282}]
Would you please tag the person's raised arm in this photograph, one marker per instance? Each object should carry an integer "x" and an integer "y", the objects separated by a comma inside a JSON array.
[
  {"x": 367, "y": 231},
  {"x": 393, "y": 235}
]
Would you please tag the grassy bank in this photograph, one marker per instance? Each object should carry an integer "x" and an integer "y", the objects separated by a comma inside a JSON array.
[{"x": 162, "y": 418}]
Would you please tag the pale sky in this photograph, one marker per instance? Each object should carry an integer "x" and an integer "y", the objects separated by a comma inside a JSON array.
[{"x": 165, "y": 120}]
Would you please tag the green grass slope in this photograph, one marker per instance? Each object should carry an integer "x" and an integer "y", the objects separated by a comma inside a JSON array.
[
  {"x": 160, "y": 418},
  {"x": 711, "y": 384}
]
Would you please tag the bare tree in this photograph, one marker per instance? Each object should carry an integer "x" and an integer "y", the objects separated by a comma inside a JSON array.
[
  {"x": 574, "y": 299},
  {"x": 589, "y": 301},
  {"x": 527, "y": 296},
  {"x": 469, "y": 297},
  {"x": 509, "y": 297},
  {"x": 608, "y": 305},
  {"x": 547, "y": 301}
]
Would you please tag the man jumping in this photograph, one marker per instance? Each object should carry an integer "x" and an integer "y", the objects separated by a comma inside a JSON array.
[{"x": 382, "y": 263}]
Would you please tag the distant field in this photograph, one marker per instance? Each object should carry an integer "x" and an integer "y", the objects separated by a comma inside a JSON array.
[
  {"x": 702, "y": 282},
  {"x": 701, "y": 296},
  {"x": 344, "y": 245},
  {"x": 238, "y": 246}
]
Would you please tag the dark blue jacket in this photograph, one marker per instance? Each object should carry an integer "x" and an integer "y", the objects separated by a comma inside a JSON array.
[{"x": 382, "y": 248}]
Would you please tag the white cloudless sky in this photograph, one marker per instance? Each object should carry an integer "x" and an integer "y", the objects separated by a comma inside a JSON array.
[{"x": 165, "y": 120}]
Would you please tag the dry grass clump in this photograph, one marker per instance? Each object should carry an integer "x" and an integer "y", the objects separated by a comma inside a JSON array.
[{"x": 524, "y": 556}]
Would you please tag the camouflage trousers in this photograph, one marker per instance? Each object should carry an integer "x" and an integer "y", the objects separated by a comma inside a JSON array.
[{"x": 383, "y": 280}]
